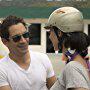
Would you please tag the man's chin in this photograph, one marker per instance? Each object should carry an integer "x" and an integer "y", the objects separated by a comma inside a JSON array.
[{"x": 23, "y": 50}]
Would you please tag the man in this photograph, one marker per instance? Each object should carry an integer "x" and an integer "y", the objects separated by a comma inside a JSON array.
[
  {"x": 22, "y": 69},
  {"x": 66, "y": 33}
]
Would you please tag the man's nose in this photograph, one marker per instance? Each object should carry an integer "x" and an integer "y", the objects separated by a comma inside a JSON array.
[{"x": 22, "y": 39}]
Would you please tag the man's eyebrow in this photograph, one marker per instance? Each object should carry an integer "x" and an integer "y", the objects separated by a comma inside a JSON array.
[{"x": 20, "y": 34}]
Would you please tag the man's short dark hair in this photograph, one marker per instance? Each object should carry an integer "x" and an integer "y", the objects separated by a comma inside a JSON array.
[{"x": 7, "y": 22}]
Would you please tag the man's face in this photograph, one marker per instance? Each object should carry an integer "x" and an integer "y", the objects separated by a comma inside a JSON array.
[{"x": 18, "y": 39}]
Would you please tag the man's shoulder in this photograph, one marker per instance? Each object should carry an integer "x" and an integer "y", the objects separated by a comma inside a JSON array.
[
  {"x": 3, "y": 61},
  {"x": 40, "y": 57}
]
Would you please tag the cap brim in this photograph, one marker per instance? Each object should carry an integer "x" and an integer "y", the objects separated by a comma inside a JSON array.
[{"x": 47, "y": 26}]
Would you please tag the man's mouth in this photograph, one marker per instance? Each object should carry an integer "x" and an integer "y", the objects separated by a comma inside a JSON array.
[{"x": 22, "y": 46}]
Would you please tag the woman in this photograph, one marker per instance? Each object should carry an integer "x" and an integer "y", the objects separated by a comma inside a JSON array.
[{"x": 68, "y": 23}]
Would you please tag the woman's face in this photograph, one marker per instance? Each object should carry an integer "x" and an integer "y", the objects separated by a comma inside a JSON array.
[{"x": 54, "y": 39}]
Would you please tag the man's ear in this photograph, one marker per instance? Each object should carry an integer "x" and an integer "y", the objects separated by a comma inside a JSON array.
[{"x": 5, "y": 42}]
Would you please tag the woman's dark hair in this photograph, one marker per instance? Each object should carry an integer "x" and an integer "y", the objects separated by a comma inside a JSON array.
[
  {"x": 7, "y": 22},
  {"x": 78, "y": 41}
]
